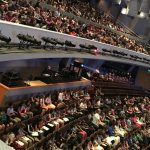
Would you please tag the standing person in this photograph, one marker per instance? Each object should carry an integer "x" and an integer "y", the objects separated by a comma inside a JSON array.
[{"x": 96, "y": 118}]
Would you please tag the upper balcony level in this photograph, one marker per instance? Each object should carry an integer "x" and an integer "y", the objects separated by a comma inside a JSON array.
[{"x": 104, "y": 51}]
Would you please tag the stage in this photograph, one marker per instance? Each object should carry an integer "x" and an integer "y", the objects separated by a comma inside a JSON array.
[
  {"x": 35, "y": 88},
  {"x": 35, "y": 83}
]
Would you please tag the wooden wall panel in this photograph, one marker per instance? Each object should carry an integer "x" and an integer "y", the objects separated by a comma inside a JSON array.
[
  {"x": 3, "y": 91},
  {"x": 143, "y": 78}
]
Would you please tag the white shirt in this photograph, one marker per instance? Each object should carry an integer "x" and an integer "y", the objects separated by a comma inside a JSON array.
[
  {"x": 109, "y": 140},
  {"x": 60, "y": 96},
  {"x": 98, "y": 103},
  {"x": 10, "y": 110},
  {"x": 57, "y": 13},
  {"x": 98, "y": 148},
  {"x": 96, "y": 119}
]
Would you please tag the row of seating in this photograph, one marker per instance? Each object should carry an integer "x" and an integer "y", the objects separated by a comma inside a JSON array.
[
  {"x": 125, "y": 55},
  {"x": 38, "y": 125}
]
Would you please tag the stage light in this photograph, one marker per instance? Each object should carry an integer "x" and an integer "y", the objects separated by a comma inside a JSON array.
[
  {"x": 27, "y": 39},
  {"x": 84, "y": 46},
  {"x": 49, "y": 40},
  {"x": 145, "y": 6},
  {"x": 5, "y": 38},
  {"x": 94, "y": 51},
  {"x": 142, "y": 15},
  {"x": 69, "y": 43},
  {"x": 118, "y": 2},
  {"x": 125, "y": 11},
  {"x": 97, "y": 71},
  {"x": 90, "y": 69},
  {"x": 82, "y": 65}
]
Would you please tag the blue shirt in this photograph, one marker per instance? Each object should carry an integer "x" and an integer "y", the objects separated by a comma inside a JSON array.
[{"x": 110, "y": 131}]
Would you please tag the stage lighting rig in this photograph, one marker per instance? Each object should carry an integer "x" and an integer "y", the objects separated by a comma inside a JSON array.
[
  {"x": 92, "y": 47},
  {"x": 84, "y": 46},
  {"x": 94, "y": 51},
  {"x": 49, "y": 40},
  {"x": 147, "y": 60},
  {"x": 5, "y": 38},
  {"x": 69, "y": 44},
  {"x": 27, "y": 40},
  {"x": 118, "y": 53},
  {"x": 106, "y": 51},
  {"x": 52, "y": 41},
  {"x": 59, "y": 42}
]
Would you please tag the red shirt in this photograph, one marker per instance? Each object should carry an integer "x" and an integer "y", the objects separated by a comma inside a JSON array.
[
  {"x": 73, "y": 33},
  {"x": 84, "y": 135}
]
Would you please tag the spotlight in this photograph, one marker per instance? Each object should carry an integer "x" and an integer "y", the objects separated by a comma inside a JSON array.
[
  {"x": 5, "y": 38},
  {"x": 58, "y": 42},
  {"x": 97, "y": 71},
  {"x": 118, "y": 2},
  {"x": 49, "y": 40},
  {"x": 82, "y": 65},
  {"x": 125, "y": 11},
  {"x": 84, "y": 46},
  {"x": 52, "y": 41},
  {"x": 69, "y": 43},
  {"x": 28, "y": 40},
  {"x": 94, "y": 51},
  {"x": 142, "y": 14},
  {"x": 92, "y": 47}
]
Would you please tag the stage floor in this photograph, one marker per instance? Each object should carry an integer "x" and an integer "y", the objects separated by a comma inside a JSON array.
[
  {"x": 35, "y": 87},
  {"x": 35, "y": 83},
  {"x": 40, "y": 83}
]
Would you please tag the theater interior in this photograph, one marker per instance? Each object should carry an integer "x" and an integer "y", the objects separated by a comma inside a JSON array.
[{"x": 74, "y": 75}]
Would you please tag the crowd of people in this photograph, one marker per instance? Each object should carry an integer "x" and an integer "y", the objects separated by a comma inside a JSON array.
[
  {"x": 77, "y": 119},
  {"x": 22, "y": 12},
  {"x": 86, "y": 10},
  {"x": 111, "y": 75}
]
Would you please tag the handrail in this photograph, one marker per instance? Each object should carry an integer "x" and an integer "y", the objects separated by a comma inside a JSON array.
[{"x": 127, "y": 28}]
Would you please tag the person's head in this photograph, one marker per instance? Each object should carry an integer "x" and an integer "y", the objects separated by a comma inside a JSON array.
[
  {"x": 11, "y": 105},
  {"x": 98, "y": 111},
  {"x": 2, "y": 112}
]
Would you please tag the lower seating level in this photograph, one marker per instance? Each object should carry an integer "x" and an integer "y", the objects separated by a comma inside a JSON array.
[{"x": 82, "y": 119}]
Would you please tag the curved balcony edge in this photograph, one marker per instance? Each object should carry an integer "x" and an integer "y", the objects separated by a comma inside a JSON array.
[{"x": 12, "y": 30}]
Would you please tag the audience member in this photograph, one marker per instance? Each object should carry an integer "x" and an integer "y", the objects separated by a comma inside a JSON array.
[{"x": 26, "y": 14}]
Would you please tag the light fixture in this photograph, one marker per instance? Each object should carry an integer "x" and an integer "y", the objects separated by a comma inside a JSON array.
[
  {"x": 142, "y": 14},
  {"x": 125, "y": 11},
  {"x": 118, "y": 2},
  {"x": 5, "y": 38}
]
